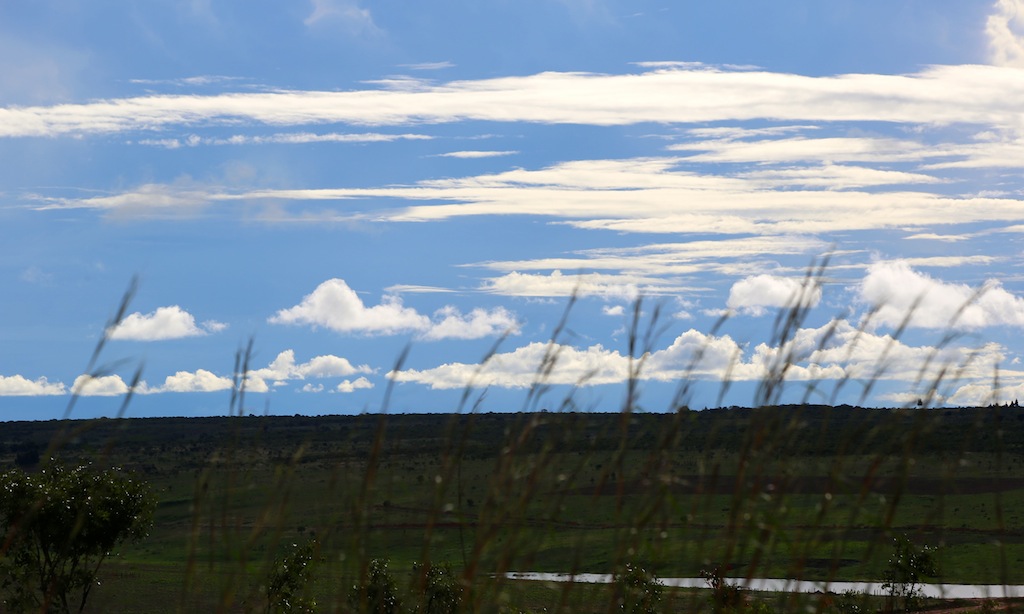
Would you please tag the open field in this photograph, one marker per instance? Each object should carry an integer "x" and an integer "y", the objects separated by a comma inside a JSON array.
[{"x": 801, "y": 492}]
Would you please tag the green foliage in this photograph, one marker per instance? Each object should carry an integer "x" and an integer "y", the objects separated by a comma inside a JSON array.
[
  {"x": 908, "y": 566},
  {"x": 725, "y": 597},
  {"x": 377, "y": 593},
  {"x": 637, "y": 591},
  {"x": 441, "y": 593},
  {"x": 59, "y": 525},
  {"x": 288, "y": 580},
  {"x": 851, "y": 602}
]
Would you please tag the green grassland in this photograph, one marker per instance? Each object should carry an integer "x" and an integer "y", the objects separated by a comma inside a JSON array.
[{"x": 807, "y": 492}]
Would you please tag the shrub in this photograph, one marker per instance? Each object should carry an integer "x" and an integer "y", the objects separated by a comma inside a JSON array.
[
  {"x": 59, "y": 525},
  {"x": 908, "y": 566},
  {"x": 637, "y": 591},
  {"x": 377, "y": 593},
  {"x": 442, "y": 593},
  {"x": 288, "y": 580}
]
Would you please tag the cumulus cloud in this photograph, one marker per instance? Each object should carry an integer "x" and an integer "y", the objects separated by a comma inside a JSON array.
[
  {"x": 348, "y": 386},
  {"x": 900, "y": 292},
  {"x": 334, "y": 305},
  {"x": 977, "y": 394},
  {"x": 1005, "y": 31},
  {"x": 834, "y": 352},
  {"x": 757, "y": 294},
  {"x": 165, "y": 323},
  {"x": 284, "y": 368},
  {"x": 102, "y": 386},
  {"x": 20, "y": 386},
  {"x": 200, "y": 380},
  {"x": 519, "y": 369},
  {"x": 450, "y": 323}
]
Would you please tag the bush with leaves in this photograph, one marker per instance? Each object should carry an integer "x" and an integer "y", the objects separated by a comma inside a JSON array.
[
  {"x": 441, "y": 591},
  {"x": 59, "y": 525},
  {"x": 637, "y": 591},
  {"x": 288, "y": 580},
  {"x": 377, "y": 593},
  {"x": 908, "y": 566},
  {"x": 725, "y": 597}
]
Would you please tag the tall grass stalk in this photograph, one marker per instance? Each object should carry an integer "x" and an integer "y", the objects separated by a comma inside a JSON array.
[{"x": 737, "y": 493}]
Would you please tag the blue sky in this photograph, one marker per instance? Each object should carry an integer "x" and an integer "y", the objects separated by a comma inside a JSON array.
[{"x": 338, "y": 180}]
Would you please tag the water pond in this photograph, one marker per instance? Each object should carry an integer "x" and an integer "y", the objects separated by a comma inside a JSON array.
[{"x": 949, "y": 591}]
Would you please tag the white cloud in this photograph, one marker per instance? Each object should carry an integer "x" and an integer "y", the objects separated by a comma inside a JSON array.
[
  {"x": 347, "y": 13},
  {"x": 613, "y": 310},
  {"x": 336, "y": 306},
  {"x": 801, "y": 149},
  {"x": 20, "y": 386},
  {"x": 102, "y": 386},
  {"x": 284, "y": 368},
  {"x": 754, "y": 295},
  {"x": 519, "y": 369},
  {"x": 312, "y": 388},
  {"x": 1005, "y": 30},
  {"x": 449, "y": 323},
  {"x": 978, "y": 394},
  {"x": 834, "y": 352},
  {"x": 938, "y": 95},
  {"x": 899, "y": 291},
  {"x": 165, "y": 323},
  {"x": 351, "y": 386},
  {"x": 292, "y": 138},
  {"x": 646, "y": 195},
  {"x": 477, "y": 154},
  {"x": 429, "y": 65},
  {"x": 556, "y": 284},
  {"x": 648, "y": 270},
  {"x": 199, "y": 381}
]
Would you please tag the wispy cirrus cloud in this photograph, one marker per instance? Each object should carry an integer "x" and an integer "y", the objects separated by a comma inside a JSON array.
[
  {"x": 348, "y": 14},
  {"x": 477, "y": 154},
  {"x": 939, "y": 95},
  {"x": 429, "y": 65},
  {"x": 292, "y": 138}
]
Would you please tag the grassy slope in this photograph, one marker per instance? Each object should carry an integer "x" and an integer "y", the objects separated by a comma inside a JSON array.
[{"x": 812, "y": 492}]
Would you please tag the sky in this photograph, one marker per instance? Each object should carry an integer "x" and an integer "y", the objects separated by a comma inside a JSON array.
[{"x": 346, "y": 206}]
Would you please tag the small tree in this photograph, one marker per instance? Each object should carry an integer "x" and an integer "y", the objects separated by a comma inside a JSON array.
[
  {"x": 288, "y": 580},
  {"x": 59, "y": 525},
  {"x": 724, "y": 597},
  {"x": 442, "y": 593},
  {"x": 908, "y": 566},
  {"x": 637, "y": 591},
  {"x": 378, "y": 593}
]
